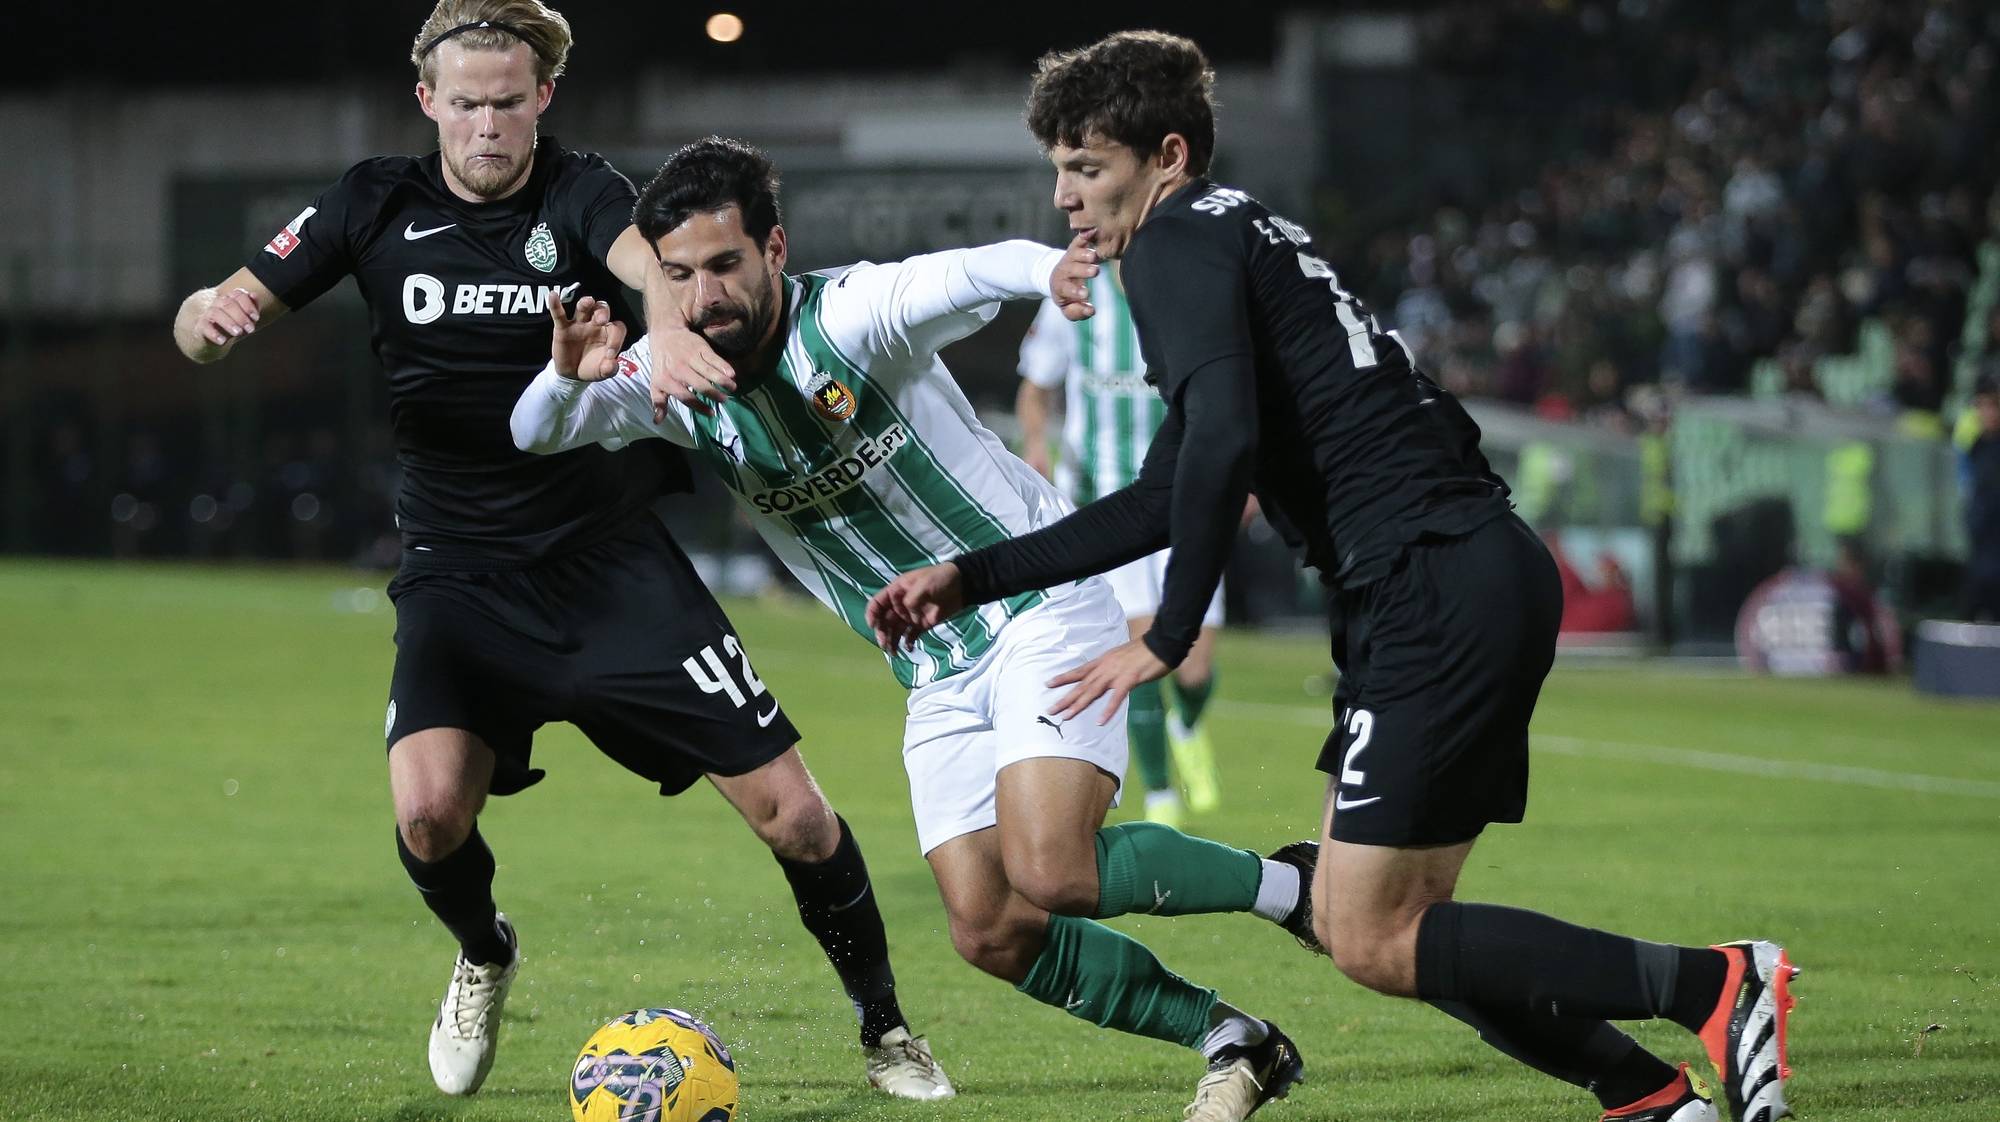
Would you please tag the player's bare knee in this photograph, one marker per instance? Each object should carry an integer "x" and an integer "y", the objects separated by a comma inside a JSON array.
[
  {"x": 1053, "y": 886},
  {"x": 801, "y": 829},
  {"x": 994, "y": 944},
  {"x": 434, "y": 831}
]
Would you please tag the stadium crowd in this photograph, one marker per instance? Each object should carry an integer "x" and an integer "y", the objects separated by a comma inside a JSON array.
[{"x": 1757, "y": 202}]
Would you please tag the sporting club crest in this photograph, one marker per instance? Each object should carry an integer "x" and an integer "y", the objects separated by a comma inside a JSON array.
[{"x": 541, "y": 248}]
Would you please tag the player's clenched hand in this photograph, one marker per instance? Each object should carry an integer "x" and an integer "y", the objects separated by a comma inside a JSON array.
[
  {"x": 584, "y": 346},
  {"x": 1070, "y": 283},
  {"x": 1115, "y": 672},
  {"x": 914, "y": 603},
  {"x": 230, "y": 316},
  {"x": 685, "y": 367}
]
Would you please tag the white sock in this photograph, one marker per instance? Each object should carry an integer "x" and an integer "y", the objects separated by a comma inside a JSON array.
[
  {"x": 1231, "y": 1027},
  {"x": 1156, "y": 798},
  {"x": 1278, "y": 892}
]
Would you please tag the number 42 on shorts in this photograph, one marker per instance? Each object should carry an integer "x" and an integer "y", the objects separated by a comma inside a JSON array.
[{"x": 715, "y": 676}]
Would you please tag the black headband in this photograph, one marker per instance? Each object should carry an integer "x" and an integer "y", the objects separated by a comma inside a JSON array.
[{"x": 462, "y": 28}]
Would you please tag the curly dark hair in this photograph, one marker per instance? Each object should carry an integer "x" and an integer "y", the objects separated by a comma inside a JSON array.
[
  {"x": 708, "y": 175},
  {"x": 1131, "y": 88}
]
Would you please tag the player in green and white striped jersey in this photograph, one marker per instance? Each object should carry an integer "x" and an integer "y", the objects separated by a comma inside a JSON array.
[
  {"x": 851, "y": 449},
  {"x": 1109, "y": 415}
]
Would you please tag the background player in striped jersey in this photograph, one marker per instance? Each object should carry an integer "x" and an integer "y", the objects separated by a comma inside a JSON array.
[
  {"x": 1109, "y": 415},
  {"x": 855, "y": 455}
]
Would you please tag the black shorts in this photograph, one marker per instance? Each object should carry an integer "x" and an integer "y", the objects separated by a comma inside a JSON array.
[
  {"x": 620, "y": 638},
  {"x": 1441, "y": 662}
]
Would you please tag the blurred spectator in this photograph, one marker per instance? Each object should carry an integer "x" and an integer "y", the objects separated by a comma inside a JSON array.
[{"x": 1598, "y": 605}]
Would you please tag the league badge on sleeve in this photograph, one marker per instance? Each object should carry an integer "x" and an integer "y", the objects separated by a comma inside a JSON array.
[
  {"x": 541, "y": 248},
  {"x": 287, "y": 239}
]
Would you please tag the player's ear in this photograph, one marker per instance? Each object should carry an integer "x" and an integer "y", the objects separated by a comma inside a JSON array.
[
  {"x": 774, "y": 248},
  {"x": 1172, "y": 158},
  {"x": 426, "y": 100},
  {"x": 545, "y": 92}
]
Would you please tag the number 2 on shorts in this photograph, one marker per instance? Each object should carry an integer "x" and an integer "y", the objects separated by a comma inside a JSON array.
[{"x": 1360, "y": 723}]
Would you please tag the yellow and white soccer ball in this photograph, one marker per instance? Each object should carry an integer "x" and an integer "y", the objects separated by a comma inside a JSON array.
[{"x": 653, "y": 1065}]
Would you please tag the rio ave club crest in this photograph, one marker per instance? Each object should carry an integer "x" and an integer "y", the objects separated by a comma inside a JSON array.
[
  {"x": 541, "y": 248},
  {"x": 830, "y": 398}
]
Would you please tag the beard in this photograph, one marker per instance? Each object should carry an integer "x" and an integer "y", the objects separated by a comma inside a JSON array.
[
  {"x": 735, "y": 331},
  {"x": 490, "y": 179}
]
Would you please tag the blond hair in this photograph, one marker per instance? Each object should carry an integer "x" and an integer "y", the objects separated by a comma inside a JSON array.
[{"x": 541, "y": 27}]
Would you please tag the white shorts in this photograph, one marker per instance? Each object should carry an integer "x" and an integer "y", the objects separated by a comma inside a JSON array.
[
  {"x": 1140, "y": 585},
  {"x": 963, "y": 729}
]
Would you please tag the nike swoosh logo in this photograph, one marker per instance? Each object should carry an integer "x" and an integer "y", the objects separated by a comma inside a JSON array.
[
  {"x": 858, "y": 897},
  {"x": 411, "y": 233},
  {"x": 1342, "y": 802},
  {"x": 764, "y": 719}
]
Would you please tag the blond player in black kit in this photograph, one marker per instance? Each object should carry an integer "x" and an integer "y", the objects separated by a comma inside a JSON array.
[
  {"x": 539, "y": 588},
  {"x": 1278, "y": 380}
]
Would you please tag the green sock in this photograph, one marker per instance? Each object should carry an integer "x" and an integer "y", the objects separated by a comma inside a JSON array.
[
  {"x": 1111, "y": 980},
  {"x": 1193, "y": 699},
  {"x": 1146, "y": 724},
  {"x": 1152, "y": 869}
]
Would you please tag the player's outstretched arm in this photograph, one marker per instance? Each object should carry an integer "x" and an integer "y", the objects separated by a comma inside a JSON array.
[
  {"x": 914, "y": 603},
  {"x": 1119, "y": 528},
  {"x": 575, "y": 400},
  {"x": 918, "y": 305},
  {"x": 211, "y": 321}
]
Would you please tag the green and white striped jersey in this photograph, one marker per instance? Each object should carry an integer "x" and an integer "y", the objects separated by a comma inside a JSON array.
[
  {"x": 1109, "y": 412},
  {"x": 857, "y": 457}
]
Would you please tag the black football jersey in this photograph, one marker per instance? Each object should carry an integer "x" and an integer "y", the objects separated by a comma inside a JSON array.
[
  {"x": 455, "y": 293},
  {"x": 1358, "y": 452}
]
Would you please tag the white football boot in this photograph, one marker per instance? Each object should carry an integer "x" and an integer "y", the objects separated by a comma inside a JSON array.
[
  {"x": 902, "y": 1065},
  {"x": 1243, "y": 1077},
  {"x": 467, "y": 1030}
]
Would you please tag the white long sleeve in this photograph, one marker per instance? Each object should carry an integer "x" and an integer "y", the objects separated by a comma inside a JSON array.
[
  {"x": 555, "y": 414},
  {"x": 913, "y": 307}
]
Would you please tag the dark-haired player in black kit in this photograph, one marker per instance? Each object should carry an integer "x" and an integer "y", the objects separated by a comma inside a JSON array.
[
  {"x": 1277, "y": 379},
  {"x": 538, "y": 588}
]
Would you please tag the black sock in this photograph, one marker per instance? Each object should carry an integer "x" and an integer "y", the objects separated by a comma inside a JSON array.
[
  {"x": 1699, "y": 987},
  {"x": 1507, "y": 959},
  {"x": 459, "y": 890},
  {"x": 1589, "y": 1054},
  {"x": 837, "y": 904}
]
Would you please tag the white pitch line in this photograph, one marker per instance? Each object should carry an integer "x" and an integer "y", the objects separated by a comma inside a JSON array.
[{"x": 1685, "y": 757}]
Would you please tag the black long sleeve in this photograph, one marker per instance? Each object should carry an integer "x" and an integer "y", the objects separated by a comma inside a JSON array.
[
  {"x": 1117, "y": 529},
  {"x": 1212, "y": 479}
]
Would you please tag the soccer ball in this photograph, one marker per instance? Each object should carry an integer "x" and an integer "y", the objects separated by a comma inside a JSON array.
[{"x": 653, "y": 1065}]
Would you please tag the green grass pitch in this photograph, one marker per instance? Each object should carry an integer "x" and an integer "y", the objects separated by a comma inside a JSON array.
[{"x": 202, "y": 917}]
